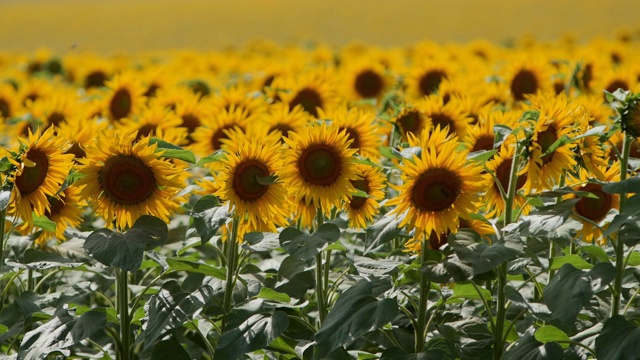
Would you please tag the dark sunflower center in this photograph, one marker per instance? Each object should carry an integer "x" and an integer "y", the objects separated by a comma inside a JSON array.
[
  {"x": 245, "y": 180},
  {"x": 591, "y": 208},
  {"x": 444, "y": 121},
  {"x": 436, "y": 190},
  {"x": 55, "y": 118},
  {"x": 219, "y": 135},
  {"x": 191, "y": 122},
  {"x": 95, "y": 79},
  {"x": 502, "y": 173},
  {"x": 437, "y": 240},
  {"x": 546, "y": 139},
  {"x": 368, "y": 84},
  {"x": 77, "y": 151},
  {"x": 309, "y": 99},
  {"x": 319, "y": 164},
  {"x": 587, "y": 76},
  {"x": 268, "y": 81},
  {"x": 430, "y": 81},
  {"x": 525, "y": 82},
  {"x": 126, "y": 179},
  {"x": 200, "y": 88},
  {"x": 353, "y": 135},
  {"x": 558, "y": 87},
  {"x": 410, "y": 122},
  {"x": 55, "y": 206},
  {"x": 151, "y": 90},
  {"x": 146, "y": 130},
  {"x": 357, "y": 202},
  {"x": 484, "y": 142},
  {"x": 283, "y": 128},
  {"x": 617, "y": 84},
  {"x": 33, "y": 176},
  {"x": 5, "y": 111},
  {"x": 120, "y": 105}
]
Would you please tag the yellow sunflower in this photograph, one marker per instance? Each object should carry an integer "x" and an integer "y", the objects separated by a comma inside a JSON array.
[
  {"x": 439, "y": 187},
  {"x": 364, "y": 79},
  {"x": 41, "y": 170},
  {"x": 361, "y": 210},
  {"x": 126, "y": 180},
  {"x": 424, "y": 79},
  {"x": 8, "y": 102},
  {"x": 319, "y": 164},
  {"x": 411, "y": 119},
  {"x": 79, "y": 133},
  {"x": 450, "y": 115},
  {"x": 281, "y": 119},
  {"x": 482, "y": 135},
  {"x": 591, "y": 212},
  {"x": 528, "y": 76},
  {"x": 240, "y": 97},
  {"x": 360, "y": 126},
  {"x": 497, "y": 179},
  {"x": 260, "y": 204},
  {"x": 437, "y": 241},
  {"x": 304, "y": 212},
  {"x": 557, "y": 118},
  {"x": 157, "y": 122},
  {"x": 209, "y": 137},
  {"x": 57, "y": 108},
  {"x": 312, "y": 91},
  {"x": 124, "y": 97}
]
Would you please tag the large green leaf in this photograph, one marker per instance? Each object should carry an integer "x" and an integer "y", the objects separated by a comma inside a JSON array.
[
  {"x": 449, "y": 270},
  {"x": 482, "y": 257},
  {"x": 125, "y": 250},
  {"x": 295, "y": 277},
  {"x": 374, "y": 267},
  {"x": 40, "y": 260},
  {"x": 305, "y": 247},
  {"x": 619, "y": 339},
  {"x": 382, "y": 231},
  {"x": 256, "y": 333},
  {"x": 550, "y": 333},
  {"x": 209, "y": 216},
  {"x": 172, "y": 307},
  {"x": 173, "y": 151},
  {"x": 571, "y": 289},
  {"x": 195, "y": 267},
  {"x": 169, "y": 350},
  {"x": 5, "y": 196},
  {"x": 60, "y": 333},
  {"x": 356, "y": 312},
  {"x": 261, "y": 241},
  {"x": 528, "y": 348},
  {"x": 552, "y": 222}
]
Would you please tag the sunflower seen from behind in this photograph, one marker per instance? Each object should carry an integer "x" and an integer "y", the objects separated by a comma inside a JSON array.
[
  {"x": 124, "y": 180},
  {"x": 319, "y": 166},
  {"x": 439, "y": 186}
]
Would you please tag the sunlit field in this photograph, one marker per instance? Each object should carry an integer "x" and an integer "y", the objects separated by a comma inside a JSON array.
[{"x": 335, "y": 186}]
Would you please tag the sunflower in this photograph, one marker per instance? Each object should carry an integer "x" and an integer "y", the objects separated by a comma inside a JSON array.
[
  {"x": 313, "y": 91},
  {"x": 630, "y": 118},
  {"x": 360, "y": 126},
  {"x": 304, "y": 212},
  {"x": 424, "y": 79},
  {"x": 157, "y": 122},
  {"x": 497, "y": 180},
  {"x": 65, "y": 210},
  {"x": 437, "y": 241},
  {"x": 557, "y": 118},
  {"x": 439, "y": 187},
  {"x": 41, "y": 170},
  {"x": 35, "y": 89},
  {"x": 281, "y": 119},
  {"x": 528, "y": 76},
  {"x": 362, "y": 209},
  {"x": 481, "y": 136},
  {"x": 8, "y": 104},
  {"x": 240, "y": 97},
  {"x": 126, "y": 180},
  {"x": 58, "y": 108},
  {"x": 124, "y": 98},
  {"x": 319, "y": 163},
  {"x": 209, "y": 137},
  {"x": 79, "y": 133},
  {"x": 591, "y": 212},
  {"x": 411, "y": 119},
  {"x": 449, "y": 116},
  {"x": 365, "y": 79},
  {"x": 260, "y": 205}
]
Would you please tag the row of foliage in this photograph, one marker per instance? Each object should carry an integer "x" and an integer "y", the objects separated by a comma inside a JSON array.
[{"x": 427, "y": 202}]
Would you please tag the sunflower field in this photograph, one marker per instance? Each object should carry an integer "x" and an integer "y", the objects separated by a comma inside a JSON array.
[{"x": 266, "y": 201}]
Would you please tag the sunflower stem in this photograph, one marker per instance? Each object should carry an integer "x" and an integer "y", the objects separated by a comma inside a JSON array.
[
  {"x": 232, "y": 254},
  {"x": 320, "y": 274},
  {"x": 619, "y": 244},
  {"x": 425, "y": 286},
  {"x": 3, "y": 216},
  {"x": 122, "y": 284},
  {"x": 501, "y": 305}
]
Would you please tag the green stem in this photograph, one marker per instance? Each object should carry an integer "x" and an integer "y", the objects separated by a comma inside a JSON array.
[
  {"x": 3, "y": 216},
  {"x": 320, "y": 285},
  {"x": 122, "y": 281},
  {"x": 232, "y": 254},
  {"x": 425, "y": 285},
  {"x": 618, "y": 244}
]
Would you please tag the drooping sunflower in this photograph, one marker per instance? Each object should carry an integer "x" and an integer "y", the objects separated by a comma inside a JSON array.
[
  {"x": 126, "y": 179},
  {"x": 319, "y": 164},
  {"x": 360, "y": 126},
  {"x": 41, "y": 170},
  {"x": 259, "y": 204},
  {"x": 591, "y": 212},
  {"x": 304, "y": 212},
  {"x": 439, "y": 187},
  {"x": 497, "y": 179},
  {"x": 362, "y": 209},
  {"x": 124, "y": 97}
]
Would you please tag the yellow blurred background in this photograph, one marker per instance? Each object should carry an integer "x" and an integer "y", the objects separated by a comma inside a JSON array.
[{"x": 133, "y": 25}]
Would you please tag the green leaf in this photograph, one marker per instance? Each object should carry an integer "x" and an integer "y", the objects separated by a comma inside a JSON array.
[
  {"x": 195, "y": 267},
  {"x": 481, "y": 156},
  {"x": 571, "y": 289},
  {"x": 619, "y": 339},
  {"x": 209, "y": 216},
  {"x": 451, "y": 269},
  {"x": 630, "y": 185},
  {"x": 270, "y": 294},
  {"x": 305, "y": 247},
  {"x": 172, "y": 151},
  {"x": 125, "y": 250},
  {"x": 261, "y": 241},
  {"x": 529, "y": 115},
  {"x": 5, "y": 164},
  {"x": 482, "y": 257},
  {"x": 550, "y": 333},
  {"x": 596, "y": 252},
  {"x": 60, "y": 333},
  {"x": 374, "y": 267},
  {"x": 382, "y": 231},
  {"x": 634, "y": 258},
  {"x": 256, "y": 333},
  {"x": 171, "y": 308},
  {"x": 468, "y": 291},
  {"x": 216, "y": 156},
  {"x": 528, "y": 348},
  {"x": 575, "y": 260},
  {"x": 267, "y": 180},
  {"x": 360, "y": 193},
  {"x": 40, "y": 260},
  {"x": 389, "y": 152},
  {"x": 169, "y": 350},
  {"x": 44, "y": 223},
  {"x": 356, "y": 312},
  {"x": 501, "y": 132},
  {"x": 5, "y": 197}
]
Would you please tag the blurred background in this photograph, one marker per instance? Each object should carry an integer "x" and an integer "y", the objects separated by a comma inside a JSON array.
[{"x": 108, "y": 26}]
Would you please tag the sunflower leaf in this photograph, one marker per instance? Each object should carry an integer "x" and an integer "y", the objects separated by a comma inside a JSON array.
[
  {"x": 40, "y": 260},
  {"x": 169, "y": 350},
  {"x": 305, "y": 247},
  {"x": 383, "y": 231},
  {"x": 481, "y": 156},
  {"x": 619, "y": 339},
  {"x": 389, "y": 152},
  {"x": 528, "y": 348},
  {"x": 44, "y": 223},
  {"x": 173, "y": 151},
  {"x": 5, "y": 164},
  {"x": 209, "y": 216},
  {"x": 5, "y": 197},
  {"x": 267, "y": 180},
  {"x": 360, "y": 193},
  {"x": 501, "y": 133},
  {"x": 216, "y": 156},
  {"x": 256, "y": 333}
]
